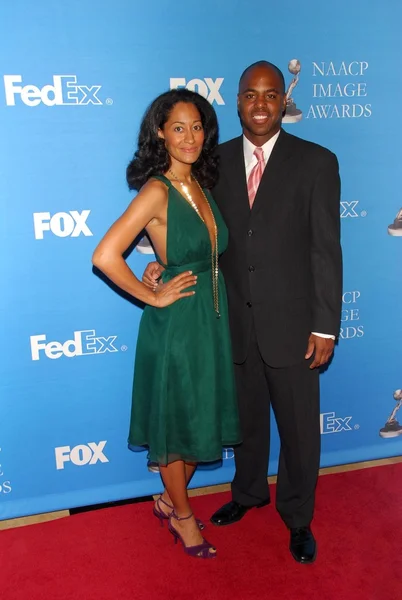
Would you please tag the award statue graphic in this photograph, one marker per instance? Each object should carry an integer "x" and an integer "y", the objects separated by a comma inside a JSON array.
[
  {"x": 292, "y": 113},
  {"x": 396, "y": 227},
  {"x": 392, "y": 428}
]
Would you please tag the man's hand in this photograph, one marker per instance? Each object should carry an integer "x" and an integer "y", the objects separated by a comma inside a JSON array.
[
  {"x": 151, "y": 275},
  {"x": 322, "y": 348}
]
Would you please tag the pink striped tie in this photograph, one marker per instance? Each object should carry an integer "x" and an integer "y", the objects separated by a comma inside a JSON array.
[{"x": 255, "y": 175}]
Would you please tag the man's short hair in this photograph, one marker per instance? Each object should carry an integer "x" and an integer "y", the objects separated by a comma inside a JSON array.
[{"x": 265, "y": 63}]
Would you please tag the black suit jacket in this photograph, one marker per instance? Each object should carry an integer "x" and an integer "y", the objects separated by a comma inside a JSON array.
[{"x": 283, "y": 264}]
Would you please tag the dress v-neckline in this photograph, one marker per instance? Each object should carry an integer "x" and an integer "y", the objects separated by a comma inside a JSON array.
[{"x": 211, "y": 239}]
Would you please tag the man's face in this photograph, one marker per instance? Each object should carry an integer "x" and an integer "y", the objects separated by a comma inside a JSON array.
[{"x": 261, "y": 101}]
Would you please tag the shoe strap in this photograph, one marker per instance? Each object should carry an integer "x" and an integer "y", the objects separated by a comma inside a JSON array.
[
  {"x": 160, "y": 499},
  {"x": 174, "y": 515}
]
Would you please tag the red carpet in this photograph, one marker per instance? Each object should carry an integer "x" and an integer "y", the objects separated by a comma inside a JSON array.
[{"x": 122, "y": 553}]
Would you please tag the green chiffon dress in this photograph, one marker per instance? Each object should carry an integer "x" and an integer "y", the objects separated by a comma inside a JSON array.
[{"x": 184, "y": 398}]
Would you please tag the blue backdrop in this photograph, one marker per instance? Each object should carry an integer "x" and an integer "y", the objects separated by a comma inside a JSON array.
[{"x": 76, "y": 78}]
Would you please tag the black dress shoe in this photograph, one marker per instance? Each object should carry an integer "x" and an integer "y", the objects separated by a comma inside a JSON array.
[
  {"x": 303, "y": 546},
  {"x": 233, "y": 512}
]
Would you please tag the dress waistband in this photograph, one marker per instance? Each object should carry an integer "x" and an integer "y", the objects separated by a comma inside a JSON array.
[{"x": 196, "y": 267}]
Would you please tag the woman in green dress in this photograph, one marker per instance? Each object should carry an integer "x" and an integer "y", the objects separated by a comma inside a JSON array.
[{"x": 184, "y": 401}]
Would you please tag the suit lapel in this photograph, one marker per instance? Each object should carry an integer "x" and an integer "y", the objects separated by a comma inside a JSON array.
[
  {"x": 272, "y": 178},
  {"x": 236, "y": 177},
  {"x": 237, "y": 168},
  {"x": 274, "y": 171}
]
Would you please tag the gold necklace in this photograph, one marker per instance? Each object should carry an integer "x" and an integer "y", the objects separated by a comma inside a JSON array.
[{"x": 214, "y": 247}]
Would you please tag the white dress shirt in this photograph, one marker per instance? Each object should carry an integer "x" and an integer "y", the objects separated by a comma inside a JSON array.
[
  {"x": 250, "y": 161},
  {"x": 248, "y": 148}
]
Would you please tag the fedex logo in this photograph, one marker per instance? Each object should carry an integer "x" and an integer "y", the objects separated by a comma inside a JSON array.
[
  {"x": 348, "y": 209},
  {"x": 329, "y": 423},
  {"x": 63, "y": 91},
  {"x": 83, "y": 454},
  {"x": 209, "y": 88},
  {"x": 62, "y": 224},
  {"x": 83, "y": 343}
]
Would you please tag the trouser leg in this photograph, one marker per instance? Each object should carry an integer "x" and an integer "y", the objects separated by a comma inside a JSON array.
[
  {"x": 250, "y": 486},
  {"x": 294, "y": 393}
]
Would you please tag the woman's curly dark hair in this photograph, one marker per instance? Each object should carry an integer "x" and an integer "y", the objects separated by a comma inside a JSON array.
[{"x": 152, "y": 158}]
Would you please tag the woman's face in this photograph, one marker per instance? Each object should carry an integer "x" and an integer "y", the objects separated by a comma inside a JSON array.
[{"x": 183, "y": 133}]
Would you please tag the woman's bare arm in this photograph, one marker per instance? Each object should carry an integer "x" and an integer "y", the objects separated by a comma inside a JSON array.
[{"x": 149, "y": 204}]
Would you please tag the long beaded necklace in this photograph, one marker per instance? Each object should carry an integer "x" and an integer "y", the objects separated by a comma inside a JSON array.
[{"x": 214, "y": 247}]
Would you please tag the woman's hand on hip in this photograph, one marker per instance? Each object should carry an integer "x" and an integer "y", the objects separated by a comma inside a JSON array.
[{"x": 173, "y": 290}]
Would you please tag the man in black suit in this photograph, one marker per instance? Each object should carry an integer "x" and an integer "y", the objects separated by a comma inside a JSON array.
[
  {"x": 283, "y": 271},
  {"x": 279, "y": 196}
]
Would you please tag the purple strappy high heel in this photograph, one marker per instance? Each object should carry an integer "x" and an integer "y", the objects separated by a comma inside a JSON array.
[
  {"x": 201, "y": 550},
  {"x": 159, "y": 514}
]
